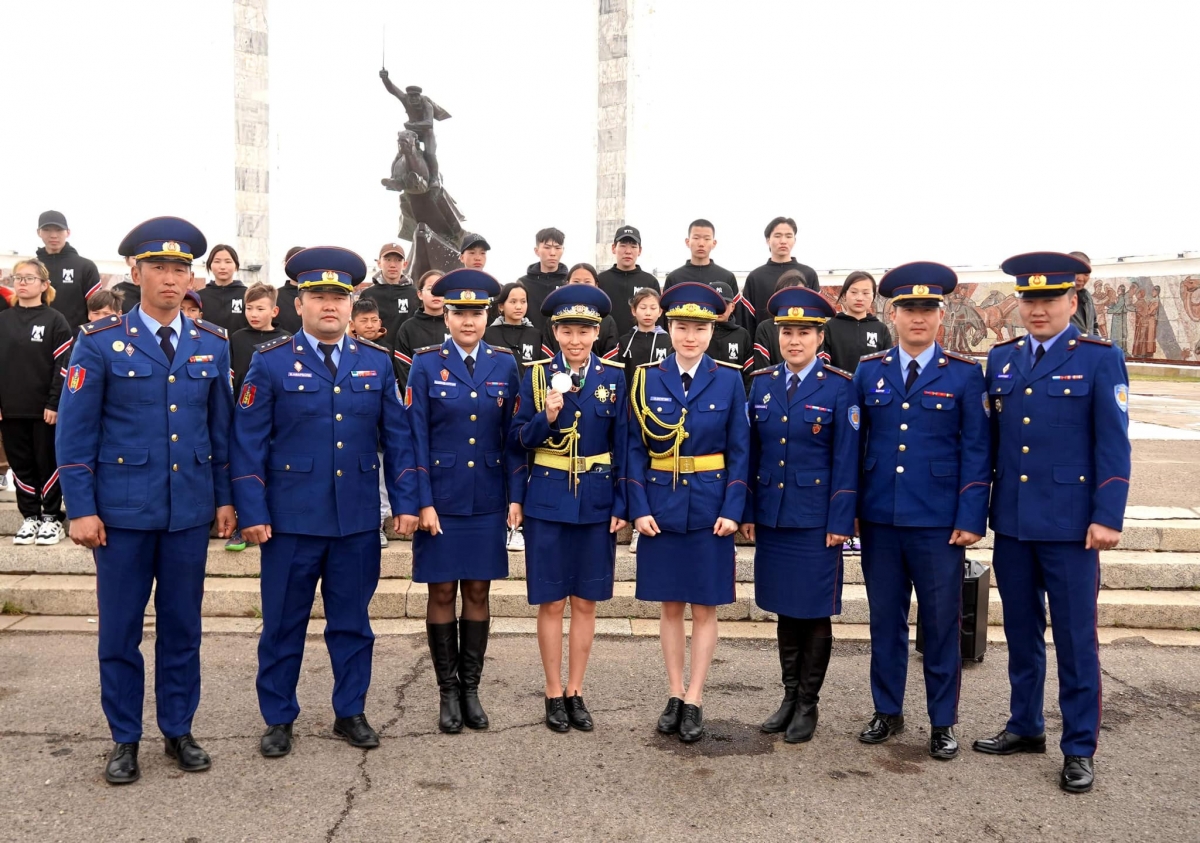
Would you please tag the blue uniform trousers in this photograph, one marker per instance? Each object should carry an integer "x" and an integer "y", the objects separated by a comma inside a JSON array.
[
  {"x": 126, "y": 568},
  {"x": 348, "y": 568},
  {"x": 1026, "y": 572},
  {"x": 895, "y": 560}
]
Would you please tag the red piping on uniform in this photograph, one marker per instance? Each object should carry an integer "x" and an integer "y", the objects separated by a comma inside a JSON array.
[
  {"x": 969, "y": 485},
  {"x": 77, "y": 465},
  {"x": 842, "y": 492},
  {"x": 631, "y": 480},
  {"x": 249, "y": 477},
  {"x": 735, "y": 482},
  {"x": 1111, "y": 479}
]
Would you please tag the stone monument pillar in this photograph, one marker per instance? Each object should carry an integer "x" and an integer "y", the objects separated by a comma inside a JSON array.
[
  {"x": 612, "y": 119},
  {"x": 251, "y": 168}
]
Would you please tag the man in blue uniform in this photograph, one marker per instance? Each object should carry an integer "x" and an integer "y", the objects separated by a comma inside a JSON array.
[
  {"x": 311, "y": 412},
  {"x": 922, "y": 499},
  {"x": 1059, "y": 416},
  {"x": 142, "y": 445}
]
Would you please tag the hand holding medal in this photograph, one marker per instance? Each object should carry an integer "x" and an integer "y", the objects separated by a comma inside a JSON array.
[{"x": 559, "y": 384}]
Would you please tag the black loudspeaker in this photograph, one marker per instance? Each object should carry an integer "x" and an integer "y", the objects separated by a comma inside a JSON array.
[{"x": 977, "y": 581}]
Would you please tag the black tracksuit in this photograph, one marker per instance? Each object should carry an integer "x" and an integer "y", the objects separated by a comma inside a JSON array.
[
  {"x": 242, "y": 345},
  {"x": 766, "y": 345},
  {"x": 847, "y": 339},
  {"x": 132, "y": 295},
  {"x": 731, "y": 344},
  {"x": 539, "y": 285},
  {"x": 74, "y": 278},
  {"x": 225, "y": 306},
  {"x": 35, "y": 344},
  {"x": 638, "y": 347},
  {"x": 605, "y": 345},
  {"x": 420, "y": 331},
  {"x": 620, "y": 286},
  {"x": 524, "y": 340},
  {"x": 288, "y": 319},
  {"x": 706, "y": 274},
  {"x": 760, "y": 286},
  {"x": 397, "y": 302}
]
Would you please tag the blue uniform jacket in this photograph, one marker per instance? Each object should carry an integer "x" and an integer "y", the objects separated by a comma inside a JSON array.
[
  {"x": 1061, "y": 438},
  {"x": 926, "y": 450},
  {"x": 803, "y": 452},
  {"x": 600, "y": 408},
  {"x": 460, "y": 428},
  {"x": 715, "y": 424},
  {"x": 305, "y": 443},
  {"x": 142, "y": 443}
]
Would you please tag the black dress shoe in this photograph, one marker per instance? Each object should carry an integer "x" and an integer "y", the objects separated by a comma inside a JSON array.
[
  {"x": 122, "y": 767},
  {"x": 1006, "y": 743},
  {"x": 578, "y": 714},
  {"x": 942, "y": 743},
  {"x": 188, "y": 754},
  {"x": 882, "y": 727},
  {"x": 1078, "y": 774},
  {"x": 357, "y": 731},
  {"x": 691, "y": 727},
  {"x": 668, "y": 721},
  {"x": 276, "y": 742},
  {"x": 556, "y": 715}
]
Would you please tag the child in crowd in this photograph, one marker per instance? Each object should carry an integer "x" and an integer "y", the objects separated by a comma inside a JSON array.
[
  {"x": 365, "y": 324},
  {"x": 105, "y": 303},
  {"x": 606, "y": 345},
  {"x": 191, "y": 306},
  {"x": 855, "y": 332},
  {"x": 428, "y": 327},
  {"x": 646, "y": 342},
  {"x": 511, "y": 329}
]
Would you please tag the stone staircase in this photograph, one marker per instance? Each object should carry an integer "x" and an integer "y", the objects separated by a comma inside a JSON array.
[{"x": 1152, "y": 582}]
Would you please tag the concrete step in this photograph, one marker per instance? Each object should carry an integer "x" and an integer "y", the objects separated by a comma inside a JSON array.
[
  {"x": 1120, "y": 569},
  {"x": 61, "y": 594}
]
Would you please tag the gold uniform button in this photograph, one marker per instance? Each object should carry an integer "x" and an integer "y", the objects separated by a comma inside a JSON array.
[
  {"x": 1024, "y": 478},
  {"x": 1082, "y": 479},
  {"x": 335, "y": 389},
  {"x": 437, "y": 462},
  {"x": 366, "y": 386},
  {"x": 903, "y": 447},
  {"x": 781, "y": 462},
  {"x": 818, "y": 481},
  {"x": 1024, "y": 449},
  {"x": 173, "y": 408},
  {"x": 339, "y": 472},
  {"x": 338, "y": 417},
  {"x": 899, "y": 469},
  {"x": 174, "y": 437},
  {"x": 1025, "y": 420},
  {"x": 784, "y": 419},
  {"x": 474, "y": 394},
  {"x": 301, "y": 387},
  {"x": 120, "y": 460},
  {"x": 1028, "y": 390},
  {"x": 170, "y": 378},
  {"x": 578, "y": 413},
  {"x": 471, "y": 441},
  {"x": 470, "y": 463},
  {"x": 287, "y": 468},
  {"x": 904, "y": 406},
  {"x": 712, "y": 406},
  {"x": 203, "y": 373},
  {"x": 783, "y": 441},
  {"x": 1066, "y": 392},
  {"x": 780, "y": 485},
  {"x": 175, "y": 467},
  {"x": 939, "y": 406},
  {"x": 339, "y": 444},
  {"x": 904, "y": 427},
  {"x": 472, "y": 417},
  {"x": 443, "y": 393}
]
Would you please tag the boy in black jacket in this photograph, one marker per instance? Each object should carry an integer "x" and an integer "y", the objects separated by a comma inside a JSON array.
[
  {"x": 428, "y": 327},
  {"x": 730, "y": 342},
  {"x": 73, "y": 276},
  {"x": 760, "y": 283},
  {"x": 260, "y": 314},
  {"x": 545, "y": 276},
  {"x": 646, "y": 342},
  {"x": 622, "y": 281}
]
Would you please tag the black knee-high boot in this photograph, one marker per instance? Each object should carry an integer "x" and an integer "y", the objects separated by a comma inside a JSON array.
[
  {"x": 443, "y": 648},
  {"x": 788, "y": 632},
  {"x": 814, "y": 663},
  {"x": 472, "y": 647}
]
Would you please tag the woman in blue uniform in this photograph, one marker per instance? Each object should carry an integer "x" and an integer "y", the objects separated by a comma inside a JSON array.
[
  {"x": 461, "y": 396},
  {"x": 687, "y": 464},
  {"x": 804, "y": 471},
  {"x": 571, "y": 421}
]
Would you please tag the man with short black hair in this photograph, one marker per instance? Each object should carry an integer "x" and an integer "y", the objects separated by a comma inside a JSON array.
[
  {"x": 760, "y": 284},
  {"x": 701, "y": 240},
  {"x": 1084, "y": 317},
  {"x": 545, "y": 276},
  {"x": 72, "y": 276},
  {"x": 395, "y": 294},
  {"x": 473, "y": 251},
  {"x": 622, "y": 281}
]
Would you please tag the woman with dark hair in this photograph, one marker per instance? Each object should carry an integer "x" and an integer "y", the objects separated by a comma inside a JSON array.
[
  {"x": 855, "y": 332},
  {"x": 511, "y": 328},
  {"x": 766, "y": 335},
  {"x": 223, "y": 299},
  {"x": 606, "y": 345}
]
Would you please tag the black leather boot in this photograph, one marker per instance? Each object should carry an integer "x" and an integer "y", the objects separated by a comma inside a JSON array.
[
  {"x": 472, "y": 647},
  {"x": 789, "y": 662},
  {"x": 814, "y": 663},
  {"x": 443, "y": 648},
  {"x": 122, "y": 766}
]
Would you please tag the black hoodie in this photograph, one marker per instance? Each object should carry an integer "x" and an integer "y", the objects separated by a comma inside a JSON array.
[
  {"x": 760, "y": 286},
  {"x": 731, "y": 344},
  {"x": 620, "y": 287},
  {"x": 418, "y": 332},
  {"x": 288, "y": 319},
  {"x": 225, "y": 306},
  {"x": 638, "y": 347},
  {"x": 397, "y": 302},
  {"x": 35, "y": 344},
  {"x": 524, "y": 340},
  {"x": 132, "y": 294},
  {"x": 539, "y": 285},
  {"x": 706, "y": 274},
  {"x": 74, "y": 278},
  {"x": 847, "y": 339}
]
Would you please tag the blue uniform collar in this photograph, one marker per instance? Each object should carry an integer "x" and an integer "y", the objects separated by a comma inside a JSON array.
[
  {"x": 923, "y": 359},
  {"x": 463, "y": 354},
  {"x": 152, "y": 324},
  {"x": 314, "y": 344},
  {"x": 803, "y": 373},
  {"x": 1048, "y": 344}
]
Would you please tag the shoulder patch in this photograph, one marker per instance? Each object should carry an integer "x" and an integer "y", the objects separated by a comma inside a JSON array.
[
  {"x": 374, "y": 345},
  {"x": 648, "y": 365},
  {"x": 101, "y": 324},
  {"x": 875, "y": 356},
  {"x": 1094, "y": 340},
  {"x": 729, "y": 365},
  {"x": 212, "y": 329},
  {"x": 500, "y": 349},
  {"x": 539, "y": 362},
  {"x": 612, "y": 363},
  {"x": 278, "y": 342},
  {"x": 835, "y": 370},
  {"x": 765, "y": 371},
  {"x": 960, "y": 357},
  {"x": 428, "y": 349},
  {"x": 1007, "y": 341}
]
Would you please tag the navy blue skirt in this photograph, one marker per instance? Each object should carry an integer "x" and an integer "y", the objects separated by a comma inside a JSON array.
[
  {"x": 694, "y": 567},
  {"x": 568, "y": 560},
  {"x": 795, "y": 574},
  {"x": 470, "y": 547}
]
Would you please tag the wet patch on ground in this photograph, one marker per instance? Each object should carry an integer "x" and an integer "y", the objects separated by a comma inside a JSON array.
[{"x": 721, "y": 738}]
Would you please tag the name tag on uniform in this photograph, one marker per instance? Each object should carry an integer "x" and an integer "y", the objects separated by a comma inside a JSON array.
[
  {"x": 668, "y": 400},
  {"x": 445, "y": 383},
  {"x": 761, "y": 406},
  {"x": 364, "y": 373},
  {"x": 299, "y": 374},
  {"x": 201, "y": 358},
  {"x": 880, "y": 391}
]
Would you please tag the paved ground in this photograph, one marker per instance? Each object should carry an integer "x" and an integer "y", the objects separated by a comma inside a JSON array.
[{"x": 519, "y": 781}]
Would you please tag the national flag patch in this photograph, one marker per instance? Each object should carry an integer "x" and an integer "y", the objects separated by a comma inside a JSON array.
[
  {"x": 408, "y": 396},
  {"x": 247, "y": 396},
  {"x": 75, "y": 378}
]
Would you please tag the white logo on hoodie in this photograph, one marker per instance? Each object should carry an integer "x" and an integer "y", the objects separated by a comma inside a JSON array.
[
  {"x": 39, "y": 331},
  {"x": 872, "y": 339},
  {"x": 68, "y": 276}
]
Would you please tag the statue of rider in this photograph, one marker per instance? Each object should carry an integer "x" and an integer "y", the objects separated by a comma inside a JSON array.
[{"x": 422, "y": 112}]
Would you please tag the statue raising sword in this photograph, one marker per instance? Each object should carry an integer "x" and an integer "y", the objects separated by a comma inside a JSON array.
[{"x": 422, "y": 112}]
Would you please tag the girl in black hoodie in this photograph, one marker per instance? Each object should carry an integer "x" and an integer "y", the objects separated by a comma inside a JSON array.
[
  {"x": 855, "y": 332},
  {"x": 510, "y": 329}
]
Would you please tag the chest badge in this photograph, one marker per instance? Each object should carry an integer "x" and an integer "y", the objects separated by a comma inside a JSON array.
[
  {"x": 445, "y": 373},
  {"x": 816, "y": 429},
  {"x": 602, "y": 393},
  {"x": 129, "y": 351},
  {"x": 880, "y": 384},
  {"x": 767, "y": 398},
  {"x": 999, "y": 404},
  {"x": 298, "y": 366},
  {"x": 118, "y": 345}
]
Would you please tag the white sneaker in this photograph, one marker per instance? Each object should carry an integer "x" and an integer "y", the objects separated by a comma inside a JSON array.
[
  {"x": 51, "y": 531},
  {"x": 633, "y": 542},
  {"x": 516, "y": 541},
  {"x": 28, "y": 531},
  {"x": 383, "y": 540}
]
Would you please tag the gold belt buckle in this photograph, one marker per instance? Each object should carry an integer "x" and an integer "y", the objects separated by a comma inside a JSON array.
[
  {"x": 580, "y": 464},
  {"x": 687, "y": 465}
]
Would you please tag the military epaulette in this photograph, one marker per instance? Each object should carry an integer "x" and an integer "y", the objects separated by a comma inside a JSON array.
[
  {"x": 612, "y": 363},
  {"x": 648, "y": 365},
  {"x": 1095, "y": 341},
  {"x": 835, "y": 370},
  {"x": 730, "y": 365},
  {"x": 874, "y": 356},
  {"x": 374, "y": 345},
  {"x": 956, "y": 356},
  {"x": 1007, "y": 342},
  {"x": 102, "y": 324},
  {"x": 765, "y": 371},
  {"x": 539, "y": 362},
  {"x": 212, "y": 329},
  {"x": 500, "y": 349},
  {"x": 427, "y": 349}
]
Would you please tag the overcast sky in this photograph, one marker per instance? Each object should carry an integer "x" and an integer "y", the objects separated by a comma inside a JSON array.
[{"x": 890, "y": 131}]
